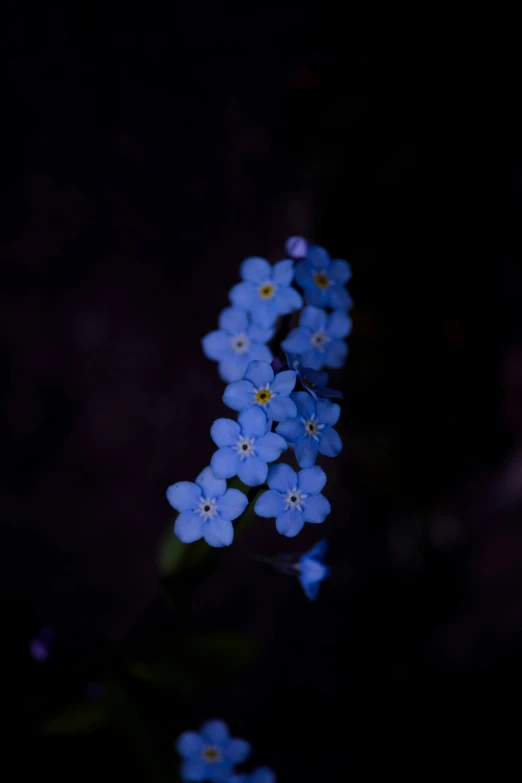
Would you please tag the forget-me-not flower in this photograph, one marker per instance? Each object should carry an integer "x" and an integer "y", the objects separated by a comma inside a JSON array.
[
  {"x": 245, "y": 447},
  {"x": 311, "y": 431},
  {"x": 293, "y": 498},
  {"x": 265, "y": 291},
  {"x": 262, "y": 387},
  {"x": 259, "y": 775},
  {"x": 211, "y": 753},
  {"x": 312, "y": 381},
  {"x": 318, "y": 340},
  {"x": 236, "y": 343},
  {"x": 206, "y": 508},
  {"x": 312, "y": 570},
  {"x": 323, "y": 279}
]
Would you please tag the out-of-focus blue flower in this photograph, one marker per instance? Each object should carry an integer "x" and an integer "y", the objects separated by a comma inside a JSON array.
[
  {"x": 313, "y": 382},
  {"x": 206, "y": 508},
  {"x": 211, "y": 753},
  {"x": 296, "y": 247},
  {"x": 293, "y": 498},
  {"x": 265, "y": 291},
  {"x": 40, "y": 646},
  {"x": 245, "y": 447},
  {"x": 236, "y": 343},
  {"x": 312, "y": 570},
  {"x": 323, "y": 280},
  {"x": 318, "y": 340},
  {"x": 259, "y": 775},
  {"x": 261, "y": 387},
  {"x": 312, "y": 429}
]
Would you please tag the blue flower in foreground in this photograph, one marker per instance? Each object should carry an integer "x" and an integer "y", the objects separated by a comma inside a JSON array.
[
  {"x": 318, "y": 338},
  {"x": 206, "y": 508},
  {"x": 265, "y": 291},
  {"x": 312, "y": 570},
  {"x": 210, "y": 754},
  {"x": 245, "y": 447},
  {"x": 261, "y": 387},
  {"x": 259, "y": 775},
  {"x": 323, "y": 279},
  {"x": 293, "y": 498},
  {"x": 313, "y": 382},
  {"x": 236, "y": 344},
  {"x": 311, "y": 431}
]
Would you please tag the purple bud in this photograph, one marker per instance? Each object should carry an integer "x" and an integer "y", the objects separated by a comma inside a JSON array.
[
  {"x": 277, "y": 365},
  {"x": 38, "y": 650},
  {"x": 296, "y": 247}
]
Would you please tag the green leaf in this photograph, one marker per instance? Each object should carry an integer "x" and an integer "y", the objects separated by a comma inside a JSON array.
[{"x": 77, "y": 719}]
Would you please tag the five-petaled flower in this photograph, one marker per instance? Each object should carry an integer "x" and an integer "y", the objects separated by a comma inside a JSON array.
[
  {"x": 206, "y": 508},
  {"x": 312, "y": 571},
  {"x": 293, "y": 498},
  {"x": 323, "y": 279},
  {"x": 211, "y": 753},
  {"x": 259, "y": 775},
  {"x": 312, "y": 381},
  {"x": 265, "y": 291},
  {"x": 311, "y": 431},
  {"x": 236, "y": 343},
  {"x": 262, "y": 388},
  {"x": 318, "y": 338},
  {"x": 245, "y": 447}
]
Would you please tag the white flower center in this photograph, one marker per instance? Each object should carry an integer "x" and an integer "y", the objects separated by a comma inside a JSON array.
[
  {"x": 207, "y": 508},
  {"x": 311, "y": 427},
  {"x": 240, "y": 343},
  {"x": 263, "y": 395},
  {"x": 293, "y": 499},
  {"x": 245, "y": 447},
  {"x": 319, "y": 339}
]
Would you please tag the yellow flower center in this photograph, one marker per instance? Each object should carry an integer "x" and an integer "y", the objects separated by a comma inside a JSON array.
[
  {"x": 211, "y": 754},
  {"x": 266, "y": 291},
  {"x": 321, "y": 280},
  {"x": 263, "y": 396}
]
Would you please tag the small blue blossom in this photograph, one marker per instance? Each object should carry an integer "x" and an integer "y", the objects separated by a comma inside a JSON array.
[
  {"x": 323, "y": 279},
  {"x": 318, "y": 338},
  {"x": 259, "y": 775},
  {"x": 263, "y": 388},
  {"x": 245, "y": 447},
  {"x": 211, "y": 753},
  {"x": 293, "y": 498},
  {"x": 312, "y": 571},
  {"x": 312, "y": 381},
  {"x": 265, "y": 291},
  {"x": 311, "y": 431},
  {"x": 296, "y": 247},
  {"x": 206, "y": 508},
  {"x": 236, "y": 343}
]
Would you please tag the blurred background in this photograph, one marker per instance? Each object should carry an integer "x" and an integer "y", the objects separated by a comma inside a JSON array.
[{"x": 145, "y": 156}]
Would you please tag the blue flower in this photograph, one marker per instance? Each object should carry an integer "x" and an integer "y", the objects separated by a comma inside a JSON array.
[
  {"x": 323, "y": 279},
  {"x": 259, "y": 775},
  {"x": 313, "y": 382},
  {"x": 245, "y": 447},
  {"x": 266, "y": 292},
  {"x": 210, "y": 754},
  {"x": 293, "y": 498},
  {"x": 296, "y": 247},
  {"x": 311, "y": 431},
  {"x": 318, "y": 339},
  {"x": 206, "y": 508},
  {"x": 236, "y": 344},
  {"x": 261, "y": 387},
  {"x": 312, "y": 570}
]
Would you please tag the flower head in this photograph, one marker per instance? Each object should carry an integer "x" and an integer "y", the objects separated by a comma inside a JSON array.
[
  {"x": 265, "y": 291},
  {"x": 293, "y": 498},
  {"x": 312, "y": 381},
  {"x": 206, "y": 508},
  {"x": 323, "y": 279},
  {"x": 236, "y": 343},
  {"x": 259, "y": 775},
  {"x": 312, "y": 432},
  {"x": 245, "y": 447},
  {"x": 312, "y": 570},
  {"x": 318, "y": 340},
  {"x": 211, "y": 753},
  {"x": 263, "y": 388}
]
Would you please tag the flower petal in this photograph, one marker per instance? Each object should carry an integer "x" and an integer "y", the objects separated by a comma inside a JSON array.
[
  {"x": 269, "y": 504},
  {"x": 252, "y": 471},
  {"x": 269, "y": 447},
  {"x": 316, "y": 508},
  {"x": 313, "y": 358},
  {"x": 193, "y": 770},
  {"x": 306, "y": 452},
  {"x": 340, "y": 271},
  {"x": 225, "y": 432},
  {"x": 291, "y": 430},
  {"x": 296, "y": 247},
  {"x": 238, "y": 750},
  {"x": 189, "y": 744},
  {"x": 259, "y": 374},
  {"x": 239, "y": 395},
  {"x": 304, "y": 274},
  {"x": 232, "y": 367},
  {"x": 218, "y": 531},
  {"x": 257, "y": 352},
  {"x": 318, "y": 297},
  {"x": 319, "y": 550},
  {"x": 263, "y": 775},
  {"x": 263, "y": 313},
  {"x": 215, "y": 732},
  {"x": 328, "y": 412},
  {"x": 297, "y": 341},
  {"x": 243, "y": 296},
  {"x": 290, "y": 523},
  {"x": 281, "y": 477},
  {"x": 212, "y": 487},
  {"x": 335, "y": 353},
  {"x": 183, "y": 495},
  {"x": 252, "y": 422},
  {"x": 225, "y": 463},
  {"x": 339, "y": 325},
  {"x": 330, "y": 444},
  {"x": 311, "y": 480},
  {"x": 216, "y": 345},
  {"x": 313, "y": 318},
  {"x": 340, "y": 299},
  {"x": 281, "y": 409},
  {"x": 283, "y": 272},
  {"x": 305, "y": 404},
  {"x": 188, "y": 527},
  {"x": 233, "y": 321},
  {"x": 255, "y": 270},
  {"x": 284, "y": 382},
  {"x": 232, "y": 504},
  {"x": 257, "y": 334},
  {"x": 318, "y": 257},
  {"x": 287, "y": 300},
  {"x": 311, "y": 589}
]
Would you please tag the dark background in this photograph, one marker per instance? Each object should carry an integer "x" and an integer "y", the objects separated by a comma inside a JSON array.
[{"x": 144, "y": 157}]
